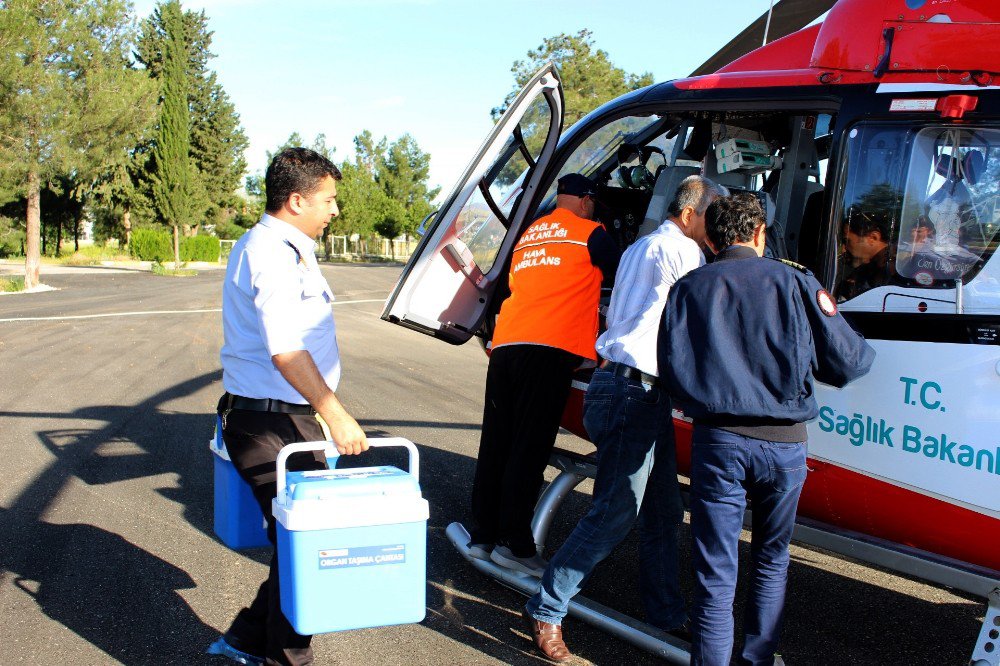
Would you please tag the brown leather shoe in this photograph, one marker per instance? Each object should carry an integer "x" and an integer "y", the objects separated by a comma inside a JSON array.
[{"x": 548, "y": 638}]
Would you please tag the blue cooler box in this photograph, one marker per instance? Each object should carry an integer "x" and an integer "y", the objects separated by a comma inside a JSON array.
[
  {"x": 239, "y": 522},
  {"x": 352, "y": 543}
]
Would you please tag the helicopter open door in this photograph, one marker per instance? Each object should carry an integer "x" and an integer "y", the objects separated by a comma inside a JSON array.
[{"x": 446, "y": 286}]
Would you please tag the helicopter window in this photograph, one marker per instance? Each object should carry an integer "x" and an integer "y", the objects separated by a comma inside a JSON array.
[
  {"x": 869, "y": 208},
  {"x": 950, "y": 214},
  {"x": 599, "y": 148},
  {"x": 920, "y": 208},
  {"x": 619, "y": 208},
  {"x": 483, "y": 222}
]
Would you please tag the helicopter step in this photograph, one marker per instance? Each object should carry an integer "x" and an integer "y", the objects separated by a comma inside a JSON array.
[
  {"x": 573, "y": 469},
  {"x": 987, "y": 652}
]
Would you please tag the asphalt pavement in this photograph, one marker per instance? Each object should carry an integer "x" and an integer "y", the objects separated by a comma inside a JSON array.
[{"x": 108, "y": 390}]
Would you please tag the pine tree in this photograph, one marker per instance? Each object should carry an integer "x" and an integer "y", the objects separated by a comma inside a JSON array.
[
  {"x": 403, "y": 175},
  {"x": 217, "y": 145},
  {"x": 589, "y": 78},
  {"x": 68, "y": 96},
  {"x": 384, "y": 188}
]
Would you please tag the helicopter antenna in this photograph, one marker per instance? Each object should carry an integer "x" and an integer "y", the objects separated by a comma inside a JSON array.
[{"x": 767, "y": 26}]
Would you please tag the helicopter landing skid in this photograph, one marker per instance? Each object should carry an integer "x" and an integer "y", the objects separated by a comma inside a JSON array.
[{"x": 637, "y": 633}]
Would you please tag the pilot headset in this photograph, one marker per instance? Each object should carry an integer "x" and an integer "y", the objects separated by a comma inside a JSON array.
[{"x": 637, "y": 177}]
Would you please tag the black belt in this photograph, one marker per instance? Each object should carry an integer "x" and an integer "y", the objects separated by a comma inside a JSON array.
[
  {"x": 265, "y": 405},
  {"x": 628, "y": 372}
]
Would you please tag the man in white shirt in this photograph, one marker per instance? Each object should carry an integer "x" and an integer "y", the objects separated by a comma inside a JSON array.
[
  {"x": 280, "y": 369},
  {"x": 628, "y": 417}
]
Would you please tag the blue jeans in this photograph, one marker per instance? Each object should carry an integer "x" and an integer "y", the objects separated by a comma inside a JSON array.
[
  {"x": 631, "y": 426},
  {"x": 726, "y": 469}
]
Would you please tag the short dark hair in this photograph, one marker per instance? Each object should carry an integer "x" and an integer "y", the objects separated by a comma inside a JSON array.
[
  {"x": 295, "y": 170},
  {"x": 863, "y": 222},
  {"x": 733, "y": 219}
]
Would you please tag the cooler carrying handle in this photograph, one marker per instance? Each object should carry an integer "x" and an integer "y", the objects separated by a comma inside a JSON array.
[
  {"x": 216, "y": 445},
  {"x": 330, "y": 450}
]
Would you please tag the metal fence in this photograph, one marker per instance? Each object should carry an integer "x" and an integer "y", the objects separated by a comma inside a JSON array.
[
  {"x": 359, "y": 248},
  {"x": 352, "y": 248},
  {"x": 225, "y": 247}
]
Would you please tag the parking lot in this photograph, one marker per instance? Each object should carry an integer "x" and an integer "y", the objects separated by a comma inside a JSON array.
[{"x": 108, "y": 556}]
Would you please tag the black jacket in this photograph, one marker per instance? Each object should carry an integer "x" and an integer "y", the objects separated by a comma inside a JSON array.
[{"x": 744, "y": 338}]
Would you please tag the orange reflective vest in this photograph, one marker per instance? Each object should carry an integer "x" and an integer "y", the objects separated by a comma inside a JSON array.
[{"x": 555, "y": 290}]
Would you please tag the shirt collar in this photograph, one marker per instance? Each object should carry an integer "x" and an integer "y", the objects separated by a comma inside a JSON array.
[
  {"x": 671, "y": 227},
  {"x": 736, "y": 252},
  {"x": 305, "y": 245}
]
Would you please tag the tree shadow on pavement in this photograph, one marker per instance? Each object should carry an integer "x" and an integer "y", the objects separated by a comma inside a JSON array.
[
  {"x": 96, "y": 583},
  {"x": 135, "y": 441},
  {"x": 110, "y": 592}
]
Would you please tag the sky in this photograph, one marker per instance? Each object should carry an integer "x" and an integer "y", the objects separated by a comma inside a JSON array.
[{"x": 432, "y": 68}]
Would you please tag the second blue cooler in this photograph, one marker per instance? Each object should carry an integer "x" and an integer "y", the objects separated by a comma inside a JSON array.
[{"x": 239, "y": 522}]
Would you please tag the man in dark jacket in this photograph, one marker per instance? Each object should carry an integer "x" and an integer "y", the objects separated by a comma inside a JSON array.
[
  {"x": 866, "y": 242},
  {"x": 741, "y": 343}
]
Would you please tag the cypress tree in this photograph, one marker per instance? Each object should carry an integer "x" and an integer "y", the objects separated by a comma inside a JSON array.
[
  {"x": 172, "y": 175},
  {"x": 217, "y": 140}
]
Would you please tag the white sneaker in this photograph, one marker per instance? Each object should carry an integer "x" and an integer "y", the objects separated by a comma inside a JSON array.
[
  {"x": 480, "y": 551},
  {"x": 533, "y": 566}
]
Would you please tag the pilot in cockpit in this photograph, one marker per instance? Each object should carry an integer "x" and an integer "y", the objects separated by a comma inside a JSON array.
[{"x": 866, "y": 246}]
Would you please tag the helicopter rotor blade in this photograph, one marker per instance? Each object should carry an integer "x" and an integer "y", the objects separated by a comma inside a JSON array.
[{"x": 787, "y": 16}]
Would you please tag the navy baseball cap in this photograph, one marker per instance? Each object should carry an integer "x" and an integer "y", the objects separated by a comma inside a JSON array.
[{"x": 577, "y": 185}]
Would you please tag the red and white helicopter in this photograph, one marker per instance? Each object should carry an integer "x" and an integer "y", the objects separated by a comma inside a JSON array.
[{"x": 887, "y": 109}]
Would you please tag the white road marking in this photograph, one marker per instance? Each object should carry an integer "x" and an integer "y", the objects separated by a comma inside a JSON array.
[{"x": 155, "y": 312}]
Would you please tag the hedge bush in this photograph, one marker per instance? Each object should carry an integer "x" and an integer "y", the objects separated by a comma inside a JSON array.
[
  {"x": 151, "y": 245},
  {"x": 200, "y": 248},
  {"x": 158, "y": 245}
]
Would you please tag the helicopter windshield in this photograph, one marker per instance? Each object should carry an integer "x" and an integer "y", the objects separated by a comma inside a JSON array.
[{"x": 919, "y": 208}]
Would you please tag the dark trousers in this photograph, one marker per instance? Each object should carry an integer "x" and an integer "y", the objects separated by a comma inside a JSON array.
[
  {"x": 526, "y": 391},
  {"x": 726, "y": 469},
  {"x": 253, "y": 440}
]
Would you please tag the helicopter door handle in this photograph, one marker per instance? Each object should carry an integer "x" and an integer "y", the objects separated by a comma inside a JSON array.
[
  {"x": 422, "y": 229},
  {"x": 473, "y": 274},
  {"x": 457, "y": 256}
]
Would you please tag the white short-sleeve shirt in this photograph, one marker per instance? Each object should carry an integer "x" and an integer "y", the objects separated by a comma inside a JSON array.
[
  {"x": 648, "y": 269},
  {"x": 275, "y": 300}
]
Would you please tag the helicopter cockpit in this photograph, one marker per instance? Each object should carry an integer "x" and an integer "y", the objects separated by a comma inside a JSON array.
[{"x": 639, "y": 161}]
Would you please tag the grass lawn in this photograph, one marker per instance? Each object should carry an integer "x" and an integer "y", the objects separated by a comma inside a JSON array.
[
  {"x": 88, "y": 255},
  {"x": 12, "y": 283},
  {"x": 160, "y": 269}
]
